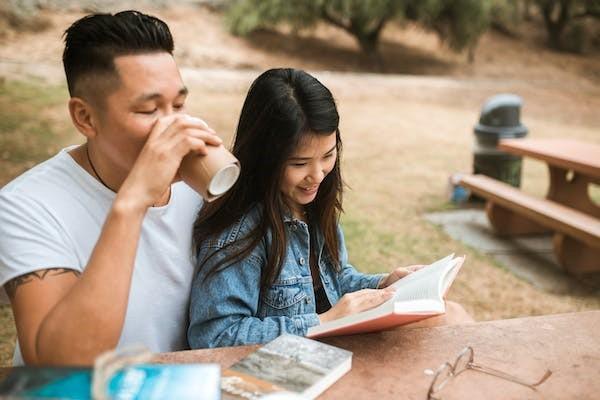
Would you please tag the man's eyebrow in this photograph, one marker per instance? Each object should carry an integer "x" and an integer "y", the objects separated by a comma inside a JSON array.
[
  {"x": 153, "y": 96},
  {"x": 308, "y": 158}
]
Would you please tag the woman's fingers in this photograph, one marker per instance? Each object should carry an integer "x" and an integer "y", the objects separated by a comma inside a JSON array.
[
  {"x": 367, "y": 298},
  {"x": 415, "y": 268},
  {"x": 352, "y": 303},
  {"x": 404, "y": 271}
]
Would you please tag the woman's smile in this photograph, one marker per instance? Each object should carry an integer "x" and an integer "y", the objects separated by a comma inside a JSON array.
[{"x": 309, "y": 190}]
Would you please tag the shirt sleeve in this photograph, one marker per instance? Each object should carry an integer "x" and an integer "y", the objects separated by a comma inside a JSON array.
[
  {"x": 224, "y": 306},
  {"x": 31, "y": 239},
  {"x": 350, "y": 279}
]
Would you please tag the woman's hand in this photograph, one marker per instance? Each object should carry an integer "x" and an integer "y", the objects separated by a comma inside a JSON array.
[
  {"x": 399, "y": 273},
  {"x": 352, "y": 303}
]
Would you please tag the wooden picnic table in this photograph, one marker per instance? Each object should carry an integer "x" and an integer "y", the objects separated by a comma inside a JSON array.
[
  {"x": 572, "y": 164},
  {"x": 567, "y": 211},
  {"x": 392, "y": 364}
]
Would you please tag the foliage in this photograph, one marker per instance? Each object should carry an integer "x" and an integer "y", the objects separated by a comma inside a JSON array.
[
  {"x": 562, "y": 16},
  {"x": 506, "y": 15},
  {"x": 459, "y": 23}
]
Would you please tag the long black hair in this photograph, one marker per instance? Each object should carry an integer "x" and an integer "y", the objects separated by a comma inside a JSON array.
[{"x": 281, "y": 107}]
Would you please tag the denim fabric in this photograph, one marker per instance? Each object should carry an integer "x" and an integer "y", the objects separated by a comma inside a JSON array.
[{"x": 227, "y": 308}]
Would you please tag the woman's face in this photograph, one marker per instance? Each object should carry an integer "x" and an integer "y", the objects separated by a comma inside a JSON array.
[{"x": 304, "y": 171}]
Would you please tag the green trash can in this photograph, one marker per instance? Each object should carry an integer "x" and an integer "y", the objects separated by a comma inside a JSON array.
[{"x": 499, "y": 119}]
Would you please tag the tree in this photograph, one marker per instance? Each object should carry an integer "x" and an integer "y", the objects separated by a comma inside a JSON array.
[
  {"x": 559, "y": 14},
  {"x": 457, "y": 22},
  {"x": 506, "y": 15}
]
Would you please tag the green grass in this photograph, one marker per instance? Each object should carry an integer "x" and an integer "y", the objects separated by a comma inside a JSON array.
[{"x": 29, "y": 129}]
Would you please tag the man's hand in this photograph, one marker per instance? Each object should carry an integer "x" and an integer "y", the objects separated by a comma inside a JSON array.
[
  {"x": 171, "y": 139},
  {"x": 399, "y": 273},
  {"x": 355, "y": 302}
]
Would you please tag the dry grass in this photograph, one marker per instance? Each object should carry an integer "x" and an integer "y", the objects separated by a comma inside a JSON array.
[{"x": 402, "y": 136}]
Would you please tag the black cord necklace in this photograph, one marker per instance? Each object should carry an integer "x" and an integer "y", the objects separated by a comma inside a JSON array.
[{"x": 87, "y": 152}]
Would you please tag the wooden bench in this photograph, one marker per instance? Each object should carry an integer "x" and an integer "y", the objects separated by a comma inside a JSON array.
[{"x": 513, "y": 212}]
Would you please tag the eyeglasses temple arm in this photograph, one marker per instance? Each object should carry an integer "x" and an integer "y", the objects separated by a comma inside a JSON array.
[{"x": 511, "y": 378}]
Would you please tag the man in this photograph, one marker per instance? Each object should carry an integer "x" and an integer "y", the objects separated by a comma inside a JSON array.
[{"x": 95, "y": 246}]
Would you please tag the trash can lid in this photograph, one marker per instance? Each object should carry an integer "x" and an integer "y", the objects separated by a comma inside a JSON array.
[
  {"x": 500, "y": 117},
  {"x": 501, "y": 110},
  {"x": 501, "y": 131}
]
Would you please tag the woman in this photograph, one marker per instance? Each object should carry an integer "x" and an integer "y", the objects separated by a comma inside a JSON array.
[{"x": 271, "y": 254}]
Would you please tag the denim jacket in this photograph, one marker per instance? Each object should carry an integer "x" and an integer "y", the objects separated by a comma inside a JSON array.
[{"x": 227, "y": 308}]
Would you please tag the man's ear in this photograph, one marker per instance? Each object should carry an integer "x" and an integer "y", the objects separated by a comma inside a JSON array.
[{"x": 83, "y": 116}]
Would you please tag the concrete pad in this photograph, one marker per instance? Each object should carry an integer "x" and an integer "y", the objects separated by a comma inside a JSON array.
[{"x": 531, "y": 258}]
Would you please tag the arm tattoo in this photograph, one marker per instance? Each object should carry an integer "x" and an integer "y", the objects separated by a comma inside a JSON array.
[{"x": 12, "y": 285}]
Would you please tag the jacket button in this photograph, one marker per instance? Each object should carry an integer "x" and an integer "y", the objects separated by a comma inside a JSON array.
[{"x": 301, "y": 261}]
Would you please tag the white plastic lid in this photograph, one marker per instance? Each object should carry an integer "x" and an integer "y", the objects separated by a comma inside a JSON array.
[{"x": 224, "y": 179}]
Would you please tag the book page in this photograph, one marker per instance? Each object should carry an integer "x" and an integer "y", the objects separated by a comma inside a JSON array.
[
  {"x": 419, "y": 306},
  {"x": 427, "y": 283},
  {"x": 422, "y": 284}
]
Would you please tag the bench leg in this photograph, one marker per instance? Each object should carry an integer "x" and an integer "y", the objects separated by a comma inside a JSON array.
[
  {"x": 572, "y": 191},
  {"x": 576, "y": 257},
  {"x": 507, "y": 223}
]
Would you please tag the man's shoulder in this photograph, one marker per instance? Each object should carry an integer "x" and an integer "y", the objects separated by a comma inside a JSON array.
[
  {"x": 40, "y": 178},
  {"x": 51, "y": 193}
]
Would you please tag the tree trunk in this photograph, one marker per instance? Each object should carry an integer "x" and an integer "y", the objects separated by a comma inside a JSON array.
[
  {"x": 369, "y": 47},
  {"x": 527, "y": 10},
  {"x": 555, "y": 27},
  {"x": 367, "y": 37}
]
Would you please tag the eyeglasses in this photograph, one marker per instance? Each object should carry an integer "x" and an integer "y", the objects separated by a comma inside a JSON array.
[{"x": 463, "y": 362}]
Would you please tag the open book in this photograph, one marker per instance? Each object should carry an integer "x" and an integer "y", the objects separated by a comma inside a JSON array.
[
  {"x": 418, "y": 296},
  {"x": 289, "y": 367}
]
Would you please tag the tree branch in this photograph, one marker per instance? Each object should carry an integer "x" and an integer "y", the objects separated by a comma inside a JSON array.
[
  {"x": 587, "y": 13},
  {"x": 333, "y": 20}
]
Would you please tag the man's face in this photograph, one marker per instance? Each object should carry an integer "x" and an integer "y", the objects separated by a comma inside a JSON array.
[{"x": 150, "y": 87}]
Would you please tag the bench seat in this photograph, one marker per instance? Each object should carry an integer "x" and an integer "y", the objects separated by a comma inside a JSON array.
[{"x": 514, "y": 212}]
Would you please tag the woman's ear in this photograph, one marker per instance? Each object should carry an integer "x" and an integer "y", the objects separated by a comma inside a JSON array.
[{"x": 83, "y": 117}]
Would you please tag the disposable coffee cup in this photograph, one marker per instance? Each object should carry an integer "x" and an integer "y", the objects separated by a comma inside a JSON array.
[{"x": 211, "y": 175}]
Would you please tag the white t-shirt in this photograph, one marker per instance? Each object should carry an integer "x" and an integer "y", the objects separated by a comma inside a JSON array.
[{"x": 52, "y": 215}]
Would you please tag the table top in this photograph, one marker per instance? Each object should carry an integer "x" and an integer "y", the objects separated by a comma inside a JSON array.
[
  {"x": 392, "y": 364},
  {"x": 571, "y": 154}
]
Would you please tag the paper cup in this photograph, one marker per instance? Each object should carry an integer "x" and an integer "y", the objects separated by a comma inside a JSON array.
[{"x": 211, "y": 175}]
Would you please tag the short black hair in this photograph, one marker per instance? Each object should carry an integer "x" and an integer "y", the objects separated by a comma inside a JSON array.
[{"x": 93, "y": 42}]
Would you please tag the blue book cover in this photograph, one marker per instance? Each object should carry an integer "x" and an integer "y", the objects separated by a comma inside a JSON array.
[{"x": 145, "y": 381}]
